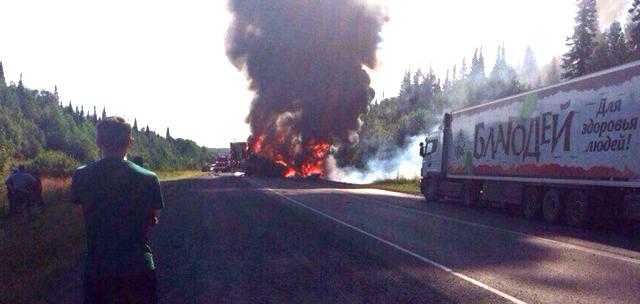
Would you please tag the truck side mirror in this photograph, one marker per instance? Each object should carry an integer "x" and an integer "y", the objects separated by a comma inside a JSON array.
[{"x": 422, "y": 154}]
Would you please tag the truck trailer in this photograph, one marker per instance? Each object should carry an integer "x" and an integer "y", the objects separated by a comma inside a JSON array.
[{"x": 569, "y": 151}]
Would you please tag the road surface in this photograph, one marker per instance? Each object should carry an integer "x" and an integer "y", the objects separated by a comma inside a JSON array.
[{"x": 255, "y": 240}]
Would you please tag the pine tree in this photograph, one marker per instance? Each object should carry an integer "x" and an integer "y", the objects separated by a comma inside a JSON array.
[
  {"x": 634, "y": 28},
  {"x": 1, "y": 74},
  {"x": 168, "y": 135},
  {"x": 454, "y": 77},
  {"x": 447, "y": 83},
  {"x": 406, "y": 86},
  {"x": 463, "y": 69},
  {"x": 55, "y": 93},
  {"x": 94, "y": 118},
  {"x": 553, "y": 73},
  {"x": 577, "y": 61},
  {"x": 20, "y": 84},
  {"x": 481, "y": 69},
  {"x": 477, "y": 65},
  {"x": 69, "y": 108},
  {"x": 76, "y": 115},
  {"x": 147, "y": 131},
  {"x": 407, "y": 96},
  {"x": 529, "y": 71},
  {"x": 104, "y": 113},
  {"x": 474, "y": 63},
  {"x": 600, "y": 58},
  {"x": 616, "y": 45},
  {"x": 135, "y": 125},
  {"x": 503, "y": 80},
  {"x": 417, "y": 78}
]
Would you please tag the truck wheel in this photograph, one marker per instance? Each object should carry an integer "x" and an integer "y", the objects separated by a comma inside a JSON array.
[
  {"x": 430, "y": 190},
  {"x": 531, "y": 204},
  {"x": 577, "y": 209},
  {"x": 602, "y": 208},
  {"x": 552, "y": 206},
  {"x": 469, "y": 195}
]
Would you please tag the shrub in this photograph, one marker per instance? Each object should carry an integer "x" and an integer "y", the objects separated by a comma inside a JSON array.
[{"x": 53, "y": 164}]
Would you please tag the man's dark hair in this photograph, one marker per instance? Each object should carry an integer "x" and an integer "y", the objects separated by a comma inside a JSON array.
[
  {"x": 22, "y": 168},
  {"x": 113, "y": 133}
]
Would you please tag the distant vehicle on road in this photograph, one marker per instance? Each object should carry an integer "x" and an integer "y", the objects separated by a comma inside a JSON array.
[
  {"x": 238, "y": 154},
  {"x": 567, "y": 152},
  {"x": 207, "y": 168},
  {"x": 222, "y": 164}
]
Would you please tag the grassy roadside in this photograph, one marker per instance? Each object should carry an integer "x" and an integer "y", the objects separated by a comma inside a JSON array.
[
  {"x": 174, "y": 175},
  {"x": 409, "y": 186},
  {"x": 36, "y": 252}
]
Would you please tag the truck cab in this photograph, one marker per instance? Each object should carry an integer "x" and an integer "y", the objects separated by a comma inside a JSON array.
[
  {"x": 432, "y": 171},
  {"x": 431, "y": 153},
  {"x": 222, "y": 164}
]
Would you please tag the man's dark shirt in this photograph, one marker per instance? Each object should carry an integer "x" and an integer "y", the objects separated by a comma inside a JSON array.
[{"x": 117, "y": 197}]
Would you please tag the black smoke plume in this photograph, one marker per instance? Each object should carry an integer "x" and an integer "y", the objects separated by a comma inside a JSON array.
[{"x": 305, "y": 61}]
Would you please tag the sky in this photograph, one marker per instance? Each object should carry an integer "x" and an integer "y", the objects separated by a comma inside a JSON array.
[{"x": 164, "y": 63}]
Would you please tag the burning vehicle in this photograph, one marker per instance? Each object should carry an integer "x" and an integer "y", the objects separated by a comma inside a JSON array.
[{"x": 305, "y": 61}]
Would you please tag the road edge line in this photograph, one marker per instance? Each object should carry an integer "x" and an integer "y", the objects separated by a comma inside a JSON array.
[{"x": 402, "y": 249}]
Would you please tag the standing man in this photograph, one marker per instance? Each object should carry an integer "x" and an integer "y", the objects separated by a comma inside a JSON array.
[
  {"x": 120, "y": 203},
  {"x": 20, "y": 185}
]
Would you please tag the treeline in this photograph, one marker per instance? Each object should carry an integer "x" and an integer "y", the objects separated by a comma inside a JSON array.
[
  {"x": 591, "y": 50},
  {"x": 51, "y": 138},
  {"x": 423, "y": 98}
]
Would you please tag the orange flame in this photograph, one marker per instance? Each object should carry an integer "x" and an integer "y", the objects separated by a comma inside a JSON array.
[
  {"x": 257, "y": 145},
  {"x": 312, "y": 166}
]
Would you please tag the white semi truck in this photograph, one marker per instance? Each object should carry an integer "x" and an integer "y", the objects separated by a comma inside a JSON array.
[{"x": 570, "y": 151}]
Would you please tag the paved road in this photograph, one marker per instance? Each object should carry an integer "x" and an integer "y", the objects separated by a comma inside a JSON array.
[{"x": 246, "y": 240}]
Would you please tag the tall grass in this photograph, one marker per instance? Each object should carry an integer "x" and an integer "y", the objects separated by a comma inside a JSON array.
[
  {"x": 181, "y": 174},
  {"x": 411, "y": 186},
  {"x": 36, "y": 251}
]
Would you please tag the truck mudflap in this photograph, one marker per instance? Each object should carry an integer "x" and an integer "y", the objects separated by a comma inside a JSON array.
[{"x": 632, "y": 207}]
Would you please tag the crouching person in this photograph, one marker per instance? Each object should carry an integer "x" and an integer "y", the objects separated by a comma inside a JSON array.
[
  {"x": 120, "y": 202},
  {"x": 20, "y": 186}
]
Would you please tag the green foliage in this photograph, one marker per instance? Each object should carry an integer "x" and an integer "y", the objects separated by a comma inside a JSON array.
[
  {"x": 552, "y": 72},
  {"x": 53, "y": 164},
  {"x": 578, "y": 61},
  {"x": 592, "y": 51},
  {"x": 634, "y": 28},
  {"x": 167, "y": 153},
  {"x": 421, "y": 101},
  {"x": 36, "y": 129},
  {"x": 617, "y": 49},
  {"x": 530, "y": 72},
  {"x": 1, "y": 74}
]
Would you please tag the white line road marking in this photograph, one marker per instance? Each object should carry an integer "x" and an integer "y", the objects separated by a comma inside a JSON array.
[
  {"x": 398, "y": 247},
  {"x": 502, "y": 230}
]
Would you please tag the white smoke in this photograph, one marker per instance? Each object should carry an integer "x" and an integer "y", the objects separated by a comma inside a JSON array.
[
  {"x": 612, "y": 10},
  {"x": 405, "y": 164}
]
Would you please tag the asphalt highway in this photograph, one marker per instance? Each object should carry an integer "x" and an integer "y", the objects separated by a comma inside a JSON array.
[{"x": 227, "y": 239}]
